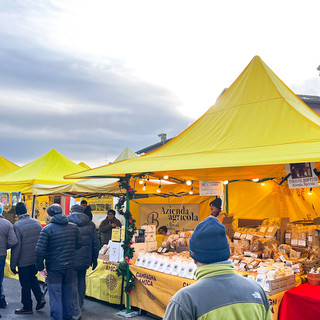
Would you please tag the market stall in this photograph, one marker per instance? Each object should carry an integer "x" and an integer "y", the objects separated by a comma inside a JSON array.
[{"x": 249, "y": 134}]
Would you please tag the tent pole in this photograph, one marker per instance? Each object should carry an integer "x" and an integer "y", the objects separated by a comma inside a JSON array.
[
  {"x": 227, "y": 198},
  {"x": 33, "y": 205}
]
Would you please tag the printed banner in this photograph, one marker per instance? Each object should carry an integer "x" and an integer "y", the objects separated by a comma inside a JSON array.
[
  {"x": 302, "y": 175},
  {"x": 103, "y": 283},
  {"x": 175, "y": 216},
  {"x": 211, "y": 188}
]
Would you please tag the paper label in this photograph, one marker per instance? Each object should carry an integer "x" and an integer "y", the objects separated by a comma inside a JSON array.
[
  {"x": 249, "y": 236},
  {"x": 288, "y": 235},
  {"x": 237, "y": 235},
  {"x": 263, "y": 229},
  {"x": 302, "y": 243}
]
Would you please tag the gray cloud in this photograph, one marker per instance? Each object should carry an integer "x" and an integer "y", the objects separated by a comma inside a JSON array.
[{"x": 51, "y": 99}]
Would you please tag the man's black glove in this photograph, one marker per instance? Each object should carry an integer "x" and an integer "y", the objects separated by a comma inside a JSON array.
[
  {"x": 94, "y": 264},
  {"x": 14, "y": 270}
]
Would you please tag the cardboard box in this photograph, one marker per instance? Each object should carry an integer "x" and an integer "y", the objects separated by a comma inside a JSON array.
[
  {"x": 140, "y": 247},
  {"x": 152, "y": 246},
  {"x": 281, "y": 284}
]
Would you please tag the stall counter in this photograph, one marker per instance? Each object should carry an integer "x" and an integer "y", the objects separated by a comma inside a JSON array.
[{"x": 153, "y": 291}]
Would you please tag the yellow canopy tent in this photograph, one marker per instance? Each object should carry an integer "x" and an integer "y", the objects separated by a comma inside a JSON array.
[
  {"x": 6, "y": 166},
  {"x": 48, "y": 169},
  {"x": 254, "y": 128},
  {"x": 84, "y": 165}
]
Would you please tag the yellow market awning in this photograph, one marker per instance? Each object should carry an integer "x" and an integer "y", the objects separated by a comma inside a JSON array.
[
  {"x": 48, "y": 169},
  {"x": 254, "y": 128}
]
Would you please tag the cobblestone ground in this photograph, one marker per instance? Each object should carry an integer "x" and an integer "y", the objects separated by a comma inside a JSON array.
[{"x": 93, "y": 309}]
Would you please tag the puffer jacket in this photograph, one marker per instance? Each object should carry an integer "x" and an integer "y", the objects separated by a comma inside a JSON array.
[
  {"x": 57, "y": 244},
  {"x": 27, "y": 231},
  {"x": 8, "y": 238},
  {"x": 88, "y": 253}
]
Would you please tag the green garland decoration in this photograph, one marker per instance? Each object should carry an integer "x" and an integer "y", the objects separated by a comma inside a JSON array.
[{"x": 127, "y": 247}]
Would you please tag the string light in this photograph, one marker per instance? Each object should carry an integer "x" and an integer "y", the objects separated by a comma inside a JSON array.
[
  {"x": 140, "y": 181},
  {"x": 144, "y": 187},
  {"x": 159, "y": 188},
  {"x": 189, "y": 183},
  {"x": 263, "y": 184},
  {"x": 310, "y": 192},
  {"x": 255, "y": 179},
  {"x": 191, "y": 190},
  {"x": 225, "y": 181},
  {"x": 165, "y": 177}
]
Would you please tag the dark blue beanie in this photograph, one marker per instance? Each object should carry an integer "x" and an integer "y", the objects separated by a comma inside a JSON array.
[{"x": 209, "y": 243}]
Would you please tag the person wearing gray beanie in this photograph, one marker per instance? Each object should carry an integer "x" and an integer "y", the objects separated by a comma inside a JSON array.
[{"x": 219, "y": 292}]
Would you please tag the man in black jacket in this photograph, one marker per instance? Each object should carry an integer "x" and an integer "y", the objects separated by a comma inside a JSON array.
[
  {"x": 87, "y": 209},
  {"x": 23, "y": 255},
  {"x": 57, "y": 245},
  {"x": 86, "y": 256}
]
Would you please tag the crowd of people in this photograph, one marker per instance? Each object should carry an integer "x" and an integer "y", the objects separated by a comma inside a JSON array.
[{"x": 62, "y": 251}]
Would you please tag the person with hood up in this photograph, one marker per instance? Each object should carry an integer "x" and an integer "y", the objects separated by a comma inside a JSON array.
[
  {"x": 57, "y": 246},
  {"x": 8, "y": 239},
  {"x": 86, "y": 256}
]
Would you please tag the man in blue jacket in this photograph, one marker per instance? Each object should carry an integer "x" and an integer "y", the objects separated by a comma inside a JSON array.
[
  {"x": 219, "y": 292},
  {"x": 23, "y": 255},
  {"x": 86, "y": 256},
  {"x": 57, "y": 246}
]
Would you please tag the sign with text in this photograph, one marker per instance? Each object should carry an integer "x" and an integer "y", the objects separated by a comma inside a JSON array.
[
  {"x": 302, "y": 175},
  {"x": 174, "y": 216},
  {"x": 211, "y": 188}
]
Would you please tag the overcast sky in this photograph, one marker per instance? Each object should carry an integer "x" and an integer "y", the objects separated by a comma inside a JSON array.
[{"x": 90, "y": 78}]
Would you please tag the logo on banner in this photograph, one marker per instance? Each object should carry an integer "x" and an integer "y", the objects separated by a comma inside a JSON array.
[
  {"x": 111, "y": 282},
  {"x": 152, "y": 218}
]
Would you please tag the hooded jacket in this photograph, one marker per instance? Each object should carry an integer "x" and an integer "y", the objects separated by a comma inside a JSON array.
[
  {"x": 57, "y": 244},
  {"x": 89, "y": 251},
  {"x": 219, "y": 293},
  {"x": 7, "y": 236},
  {"x": 27, "y": 231}
]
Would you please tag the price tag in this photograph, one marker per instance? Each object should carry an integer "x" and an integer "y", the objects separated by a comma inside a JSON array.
[
  {"x": 237, "y": 235},
  {"x": 302, "y": 243},
  {"x": 263, "y": 229},
  {"x": 288, "y": 235},
  {"x": 243, "y": 236},
  {"x": 249, "y": 236}
]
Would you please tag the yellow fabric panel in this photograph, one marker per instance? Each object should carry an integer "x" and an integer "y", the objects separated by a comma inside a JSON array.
[
  {"x": 250, "y": 200},
  {"x": 6, "y": 166},
  {"x": 231, "y": 135},
  {"x": 48, "y": 169}
]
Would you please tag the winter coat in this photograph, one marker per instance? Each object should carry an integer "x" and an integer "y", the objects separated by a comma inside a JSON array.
[
  {"x": 27, "y": 231},
  {"x": 106, "y": 229},
  {"x": 219, "y": 293},
  {"x": 57, "y": 244},
  {"x": 88, "y": 253},
  {"x": 7, "y": 236}
]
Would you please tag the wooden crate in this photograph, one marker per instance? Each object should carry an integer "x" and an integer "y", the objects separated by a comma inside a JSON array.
[{"x": 281, "y": 284}]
